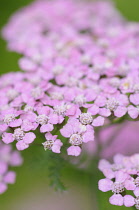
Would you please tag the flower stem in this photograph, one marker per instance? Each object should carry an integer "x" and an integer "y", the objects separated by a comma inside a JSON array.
[{"x": 92, "y": 190}]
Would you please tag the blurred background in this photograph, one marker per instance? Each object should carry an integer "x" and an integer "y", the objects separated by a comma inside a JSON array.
[
  {"x": 32, "y": 191},
  {"x": 8, "y": 60}
]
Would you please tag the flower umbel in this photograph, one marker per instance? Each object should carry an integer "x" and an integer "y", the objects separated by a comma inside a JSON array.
[{"x": 79, "y": 73}]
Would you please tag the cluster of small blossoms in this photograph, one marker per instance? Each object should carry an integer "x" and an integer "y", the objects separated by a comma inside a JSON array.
[
  {"x": 79, "y": 68},
  {"x": 8, "y": 158},
  {"x": 25, "y": 108},
  {"x": 122, "y": 178}
]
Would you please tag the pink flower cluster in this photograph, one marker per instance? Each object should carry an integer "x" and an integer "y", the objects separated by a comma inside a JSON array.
[
  {"x": 8, "y": 158},
  {"x": 122, "y": 178},
  {"x": 80, "y": 67},
  {"x": 21, "y": 113}
]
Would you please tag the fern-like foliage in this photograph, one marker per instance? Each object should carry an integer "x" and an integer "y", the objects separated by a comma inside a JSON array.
[{"x": 55, "y": 168}]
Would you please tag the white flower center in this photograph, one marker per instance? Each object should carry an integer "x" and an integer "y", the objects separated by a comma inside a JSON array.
[
  {"x": 72, "y": 82},
  {"x": 28, "y": 108},
  {"x": 136, "y": 88},
  {"x": 98, "y": 68},
  {"x": 116, "y": 167},
  {"x": 58, "y": 69},
  {"x": 9, "y": 118},
  {"x": 35, "y": 80},
  {"x": 126, "y": 85},
  {"x": 117, "y": 187},
  {"x": 36, "y": 92},
  {"x": 86, "y": 118},
  {"x": 48, "y": 144},
  {"x": 137, "y": 202},
  {"x": 18, "y": 134},
  {"x": 108, "y": 64},
  {"x": 112, "y": 104},
  {"x": 12, "y": 94},
  {"x": 115, "y": 82},
  {"x": 37, "y": 57},
  {"x": 136, "y": 181},
  {"x": 124, "y": 69},
  {"x": 57, "y": 96},
  {"x": 76, "y": 139},
  {"x": 60, "y": 110},
  {"x": 80, "y": 100},
  {"x": 42, "y": 119},
  {"x": 137, "y": 108},
  {"x": 86, "y": 59}
]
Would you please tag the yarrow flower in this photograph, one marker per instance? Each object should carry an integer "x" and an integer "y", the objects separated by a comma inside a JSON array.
[
  {"x": 65, "y": 82},
  {"x": 52, "y": 143},
  {"x": 80, "y": 72},
  {"x": 122, "y": 176}
]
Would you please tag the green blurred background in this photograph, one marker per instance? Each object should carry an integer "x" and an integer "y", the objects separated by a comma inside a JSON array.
[{"x": 31, "y": 191}]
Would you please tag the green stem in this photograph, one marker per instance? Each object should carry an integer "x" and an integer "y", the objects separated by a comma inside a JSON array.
[{"x": 93, "y": 195}]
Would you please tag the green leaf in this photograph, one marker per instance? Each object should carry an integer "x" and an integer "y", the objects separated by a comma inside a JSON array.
[{"x": 55, "y": 168}]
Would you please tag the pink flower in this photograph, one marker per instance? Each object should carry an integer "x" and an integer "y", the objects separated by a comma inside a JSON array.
[
  {"x": 8, "y": 118},
  {"x": 87, "y": 119},
  {"x": 117, "y": 105},
  {"x": 77, "y": 134},
  {"x": 117, "y": 186},
  {"x": 52, "y": 143},
  {"x": 23, "y": 139},
  {"x": 78, "y": 67},
  {"x": 63, "y": 77},
  {"x": 125, "y": 176}
]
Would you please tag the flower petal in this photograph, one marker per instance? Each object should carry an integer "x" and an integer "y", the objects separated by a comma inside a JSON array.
[
  {"x": 74, "y": 150},
  {"x": 7, "y": 138},
  {"x": 129, "y": 200},
  {"x": 10, "y": 177},
  {"x": 29, "y": 138},
  {"x": 21, "y": 145},
  {"x": 3, "y": 187},
  {"x": 116, "y": 199},
  {"x": 120, "y": 111},
  {"x": 99, "y": 121},
  {"x": 105, "y": 185},
  {"x": 46, "y": 128}
]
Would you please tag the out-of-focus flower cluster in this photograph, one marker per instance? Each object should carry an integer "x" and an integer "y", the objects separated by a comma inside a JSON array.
[
  {"x": 81, "y": 71},
  {"x": 122, "y": 178},
  {"x": 8, "y": 158}
]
